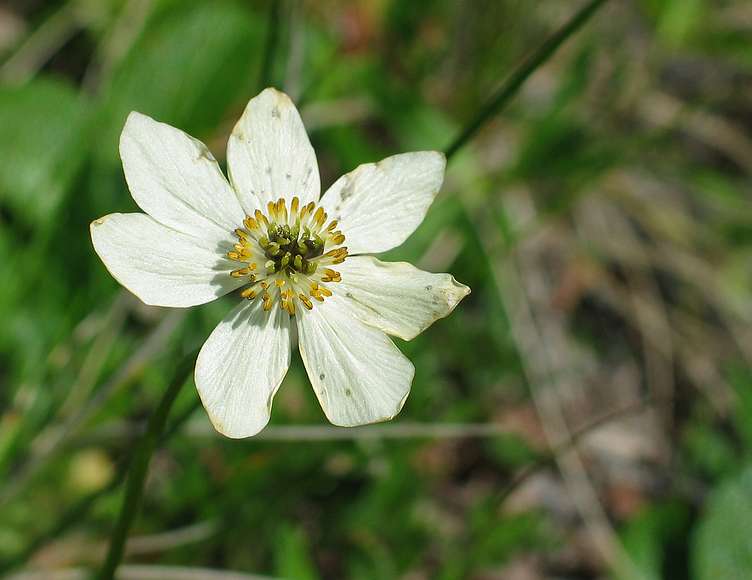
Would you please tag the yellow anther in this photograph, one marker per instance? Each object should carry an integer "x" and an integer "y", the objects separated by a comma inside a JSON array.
[
  {"x": 333, "y": 275},
  {"x": 279, "y": 282},
  {"x": 261, "y": 218},
  {"x": 338, "y": 239},
  {"x": 248, "y": 293},
  {"x": 268, "y": 302},
  {"x": 325, "y": 291},
  {"x": 306, "y": 301},
  {"x": 331, "y": 226},
  {"x": 319, "y": 217},
  {"x": 233, "y": 256},
  {"x": 294, "y": 204},
  {"x": 242, "y": 251},
  {"x": 337, "y": 255}
]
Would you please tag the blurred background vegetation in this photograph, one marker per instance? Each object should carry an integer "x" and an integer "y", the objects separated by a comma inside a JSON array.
[{"x": 585, "y": 413}]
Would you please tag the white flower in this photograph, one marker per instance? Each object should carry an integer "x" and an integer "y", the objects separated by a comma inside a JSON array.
[{"x": 299, "y": 259}]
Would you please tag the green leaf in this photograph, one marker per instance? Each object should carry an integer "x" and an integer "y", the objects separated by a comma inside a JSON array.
[
  {"x": 740, "y": 378},
  {"x": 709, "y": 450},
  {"x": 680, "y": 19},
  {"x": 647, "y": 538},
  {"x": 722, "y": 546},
  {"x": 42, "y": 145},
  {"x": 190, "y": 64},
  {"x": 292, "y": 555}
]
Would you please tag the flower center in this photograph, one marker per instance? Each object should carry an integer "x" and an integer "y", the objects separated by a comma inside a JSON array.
[{"x": 287, "y": 255}]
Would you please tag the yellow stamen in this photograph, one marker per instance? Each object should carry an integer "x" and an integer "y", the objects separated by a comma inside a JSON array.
[
  {"x": 248, "y": 293},
  {"x": 306, "y": 301},
  {"x": 319, "y": 217},
  {"x": 261, "y": 218},
  {"x": 285, "y": 242},
  {"x": 332, "y": 275}
]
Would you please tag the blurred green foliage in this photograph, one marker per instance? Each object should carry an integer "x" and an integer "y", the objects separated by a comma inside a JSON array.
[
  {"x": 721, "y": 542},
  {"x": 647, "y": 111}
]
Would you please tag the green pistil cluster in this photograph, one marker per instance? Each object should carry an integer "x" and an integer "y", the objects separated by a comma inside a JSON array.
[{"x": 287, "y": 248}]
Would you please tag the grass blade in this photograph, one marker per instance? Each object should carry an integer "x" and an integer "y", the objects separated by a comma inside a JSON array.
[{"x": 517, "y": 78}]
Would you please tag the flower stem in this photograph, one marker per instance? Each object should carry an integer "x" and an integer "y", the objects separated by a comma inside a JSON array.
[
  {"x": 134, "y": 485},
  {"x": 78, "y": 511},
  {"x": 519, "y": 75}
]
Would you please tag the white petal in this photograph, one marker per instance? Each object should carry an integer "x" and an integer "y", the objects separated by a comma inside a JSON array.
[
  {"x": 241, "y": 366},
  {"x": 380, "y": 204},
  {"x": 159, "y": 265},
  {"x": 269, "y": 155},
  {"x": 359, "y": 376},
  {"x": 396, "y": 297},
  {"x": 176, "y": 180}
]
